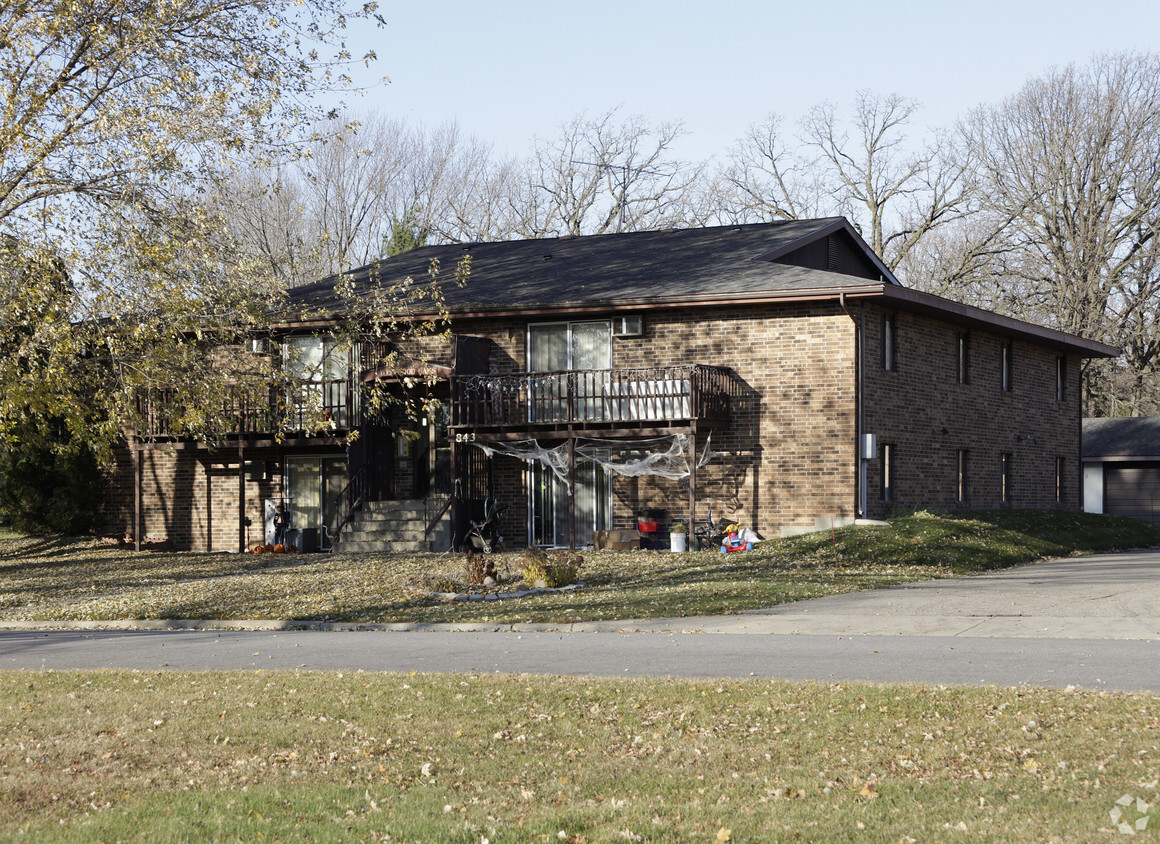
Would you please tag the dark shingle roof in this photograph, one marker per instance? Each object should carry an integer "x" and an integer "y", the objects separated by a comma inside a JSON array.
[
  {"x": 1135, "y": 436},
  {"x": 650, "y": 266}
]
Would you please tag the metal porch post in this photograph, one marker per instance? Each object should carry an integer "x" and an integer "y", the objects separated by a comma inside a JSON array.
[{"x": 571, "y": 490}]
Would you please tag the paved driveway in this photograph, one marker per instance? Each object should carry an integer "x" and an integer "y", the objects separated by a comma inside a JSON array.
[{"x": 1110, "y": 596}]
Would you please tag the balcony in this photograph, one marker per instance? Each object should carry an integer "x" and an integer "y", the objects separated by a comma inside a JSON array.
[
  {"x": 281, "y": 413},
  {"x": 647, "y": 397}
]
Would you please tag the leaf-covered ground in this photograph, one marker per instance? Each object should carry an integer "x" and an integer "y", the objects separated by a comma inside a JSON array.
[
  {"x": 61, "y": 579},
  {"x": 289, "y": 756}
]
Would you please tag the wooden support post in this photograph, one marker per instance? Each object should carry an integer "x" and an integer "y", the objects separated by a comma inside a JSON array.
[
  {"x": 135, "y": 450},
  {"x": 571, "y": 491},
  {"x": 692, "y": 489},
  {"x": 241, "y": 494},
  {"x": 456, "y": 486}
]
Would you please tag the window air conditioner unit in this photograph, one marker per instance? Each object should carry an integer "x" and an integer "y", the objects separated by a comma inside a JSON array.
[{"x": 628, "y": 326}]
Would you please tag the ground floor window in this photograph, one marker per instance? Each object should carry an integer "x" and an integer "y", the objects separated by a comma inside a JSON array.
[
  {"x": 1004, "y": 478},
  {"x": 887, "y": 472},
  {"x": 961, "y": 477}
]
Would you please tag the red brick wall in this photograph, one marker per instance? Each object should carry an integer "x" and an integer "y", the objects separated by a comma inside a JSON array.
[
  {"x": 189, "y": 497},
  {"x": 928, "y": 416},
  {"x": 788, "y": 455}
]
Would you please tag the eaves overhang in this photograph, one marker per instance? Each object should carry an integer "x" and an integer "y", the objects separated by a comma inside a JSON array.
[{"x": 927, "y": 303}]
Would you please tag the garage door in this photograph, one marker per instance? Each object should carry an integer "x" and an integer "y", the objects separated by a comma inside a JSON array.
[{"x": 1133, "y": 489}]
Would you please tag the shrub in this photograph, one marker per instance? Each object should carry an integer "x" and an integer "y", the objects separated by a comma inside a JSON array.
[
  {"x": 557, "y": 569},
  {"x": 49, "y": 482},
  {"x": 479, "y": 568}
]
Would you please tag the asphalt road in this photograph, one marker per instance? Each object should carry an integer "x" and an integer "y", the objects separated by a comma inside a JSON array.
[{"x": 1090, "y": 622}]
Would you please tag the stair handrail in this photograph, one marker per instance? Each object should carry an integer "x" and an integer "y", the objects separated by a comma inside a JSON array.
[
  {"x": 433, "y": 522},
  {"x": 350, "y": 500}
]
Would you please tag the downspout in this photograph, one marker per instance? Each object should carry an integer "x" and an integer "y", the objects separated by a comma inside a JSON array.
[{"x": 859, "y": 422}]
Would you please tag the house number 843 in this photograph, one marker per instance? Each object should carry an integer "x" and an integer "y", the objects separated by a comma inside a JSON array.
[{"x": 465, "y": 438}]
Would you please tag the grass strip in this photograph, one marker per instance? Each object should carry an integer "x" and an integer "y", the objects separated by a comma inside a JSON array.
[
  {"x": 63, "y": 579},
  {"x": 176, "y": 756}
]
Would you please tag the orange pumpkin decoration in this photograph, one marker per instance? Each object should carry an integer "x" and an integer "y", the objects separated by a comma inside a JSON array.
[
  {"x": 268, "y": 549},
  {"x": 259, "y": 549},
  {"x": 279, "y": 548}
]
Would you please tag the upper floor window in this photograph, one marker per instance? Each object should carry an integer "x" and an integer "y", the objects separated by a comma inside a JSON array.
[
  {"x": 1061, "y": 378},
  {"x": 963, "y": 357},
  {"x": 321, "y": 367},
  {"x": 889, "y": 342},
  {"x": 560, "y": 346},
  {"x": 314, "y": 358},
  {"x": 1005, "y": 367}
]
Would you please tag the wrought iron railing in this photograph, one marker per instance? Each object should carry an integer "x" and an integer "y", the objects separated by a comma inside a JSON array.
[
  {"x": 643, "y": 394},
  {"x": 351, "y": 499},
  {"x": 313, "y": 406}
]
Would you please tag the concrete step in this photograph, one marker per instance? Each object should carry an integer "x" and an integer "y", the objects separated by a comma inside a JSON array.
[
  {"x": 396, "y": 535},
  {"x": 403, "y": 509},
  {"x": 381, "y": 547}
]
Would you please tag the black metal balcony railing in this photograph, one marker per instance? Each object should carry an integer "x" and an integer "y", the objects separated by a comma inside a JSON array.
[
  {"x": 647, "y": 394},
  {"x": 299, "y": 409}
]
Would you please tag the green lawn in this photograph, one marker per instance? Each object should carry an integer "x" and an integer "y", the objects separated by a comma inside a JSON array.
[
  {"x": 286, "y": 756},
  {"x": 63, "y": 579}
]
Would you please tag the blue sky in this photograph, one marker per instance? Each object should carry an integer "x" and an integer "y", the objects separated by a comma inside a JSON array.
[{"x": 508, "y": 70}]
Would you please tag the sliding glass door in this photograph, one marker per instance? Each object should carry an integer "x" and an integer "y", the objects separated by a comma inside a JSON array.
[
  {"x": 313, "y": 484},
  {"x": 549, "y": 505},
  {"x": 585, "y": 349}
]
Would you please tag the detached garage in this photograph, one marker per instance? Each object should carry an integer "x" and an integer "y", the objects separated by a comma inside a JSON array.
[{"x": 1121, "y": 467}]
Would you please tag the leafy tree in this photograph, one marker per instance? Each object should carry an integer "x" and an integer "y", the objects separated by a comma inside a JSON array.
[
  {"x": 121, "y": 123},
  {"x": 406, "y": 234},
  {"x": 48, "y": 484}
]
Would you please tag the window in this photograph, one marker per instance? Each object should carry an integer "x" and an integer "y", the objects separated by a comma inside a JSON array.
[
  {"x": 1061, "y": 378},
  {"x": 1004, "y": 478},
  {"x": 1005, "y": 367},
  {"x": 558, "y": 347},
  {"x": 887, "y": 472},
  {"x": 889, "y": 340},
  {"x": 1059, "y": 480},
  {"x": 321, "y": 368},
  {"x": 963, "y": 366},
  {"x": 961, "y": 477}
]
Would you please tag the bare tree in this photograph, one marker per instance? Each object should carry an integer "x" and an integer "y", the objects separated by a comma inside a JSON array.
[
  {"x": 767, "y": 178},
  {"x": 333, "y": 204},
  {"x": 1070, "y": 185},
  {"x": 603, "y": 175},
  {"x": 866, "y": 171}
]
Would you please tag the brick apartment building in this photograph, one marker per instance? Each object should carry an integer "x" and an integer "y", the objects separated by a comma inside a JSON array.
[{"x": 777, "y": 374}]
